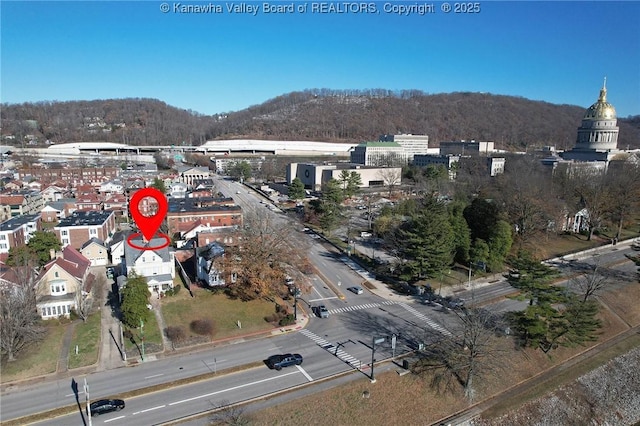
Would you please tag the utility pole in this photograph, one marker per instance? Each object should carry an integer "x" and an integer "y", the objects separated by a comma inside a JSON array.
[
  {"x": 86, "y": 394},
  {"x": 142, "y": 337}
]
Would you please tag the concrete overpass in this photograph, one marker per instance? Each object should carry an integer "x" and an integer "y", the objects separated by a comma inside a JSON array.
[{"x": 229, "y": 146}]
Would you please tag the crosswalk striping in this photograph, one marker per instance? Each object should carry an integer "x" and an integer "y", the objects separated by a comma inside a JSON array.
[
  {"x": 426, "y": 319},
  {"x": 359, "y": 307},
  {"x": 342, "y": 355}
]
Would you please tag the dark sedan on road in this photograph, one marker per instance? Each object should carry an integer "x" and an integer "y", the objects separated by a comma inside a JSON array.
[
  {"x": 106, "y": 406},
  {"x": 279, "y": 361}
]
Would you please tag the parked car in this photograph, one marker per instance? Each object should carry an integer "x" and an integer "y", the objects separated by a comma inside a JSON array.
[
  {"x": 636, "y": 244},
  {"x": 356, "y": 290},
  {"x": 286, "y": 360},
  {"x": 105, "y": 406},
  {"x": 322, "y": 311}
]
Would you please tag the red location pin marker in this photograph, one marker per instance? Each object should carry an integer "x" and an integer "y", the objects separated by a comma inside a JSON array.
[{"x": 149, "y": 225}]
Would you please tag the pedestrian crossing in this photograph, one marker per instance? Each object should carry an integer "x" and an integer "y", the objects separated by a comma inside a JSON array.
[
  {"x": 342, "y": 355},
  {"x": 360, "y": 307},
  {"x": 431, "y": 323}
]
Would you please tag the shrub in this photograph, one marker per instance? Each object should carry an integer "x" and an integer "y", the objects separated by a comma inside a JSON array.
[
  {"x": 175, "y": 333},
  {"x": 272, "y": 318},
  {"x": 287, "y": 320},
  {"x": 203, "y": 327},
  {"x": 176, "y": 289}
]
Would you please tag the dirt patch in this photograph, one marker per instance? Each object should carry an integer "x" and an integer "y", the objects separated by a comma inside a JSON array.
[
  {"x": 624, "y": 302},
  {"x": 393, "y": 399}
]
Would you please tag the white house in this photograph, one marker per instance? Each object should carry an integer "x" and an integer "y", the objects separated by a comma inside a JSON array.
[
  {"x": 112, "y": 187},
  {"x": 52, "y": 193},
  {"x": 116, "y": 247},
  {"x": 178, "y": 190},
  {"x": 157, "y": 265}
]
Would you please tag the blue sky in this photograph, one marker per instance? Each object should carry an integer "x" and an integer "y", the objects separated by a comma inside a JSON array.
[{"x": 558, "y": 52}]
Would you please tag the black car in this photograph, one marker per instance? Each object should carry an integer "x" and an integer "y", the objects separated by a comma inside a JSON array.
[
  {"x": 106, "y": 406},
  {"x": 279, "y": 361}
]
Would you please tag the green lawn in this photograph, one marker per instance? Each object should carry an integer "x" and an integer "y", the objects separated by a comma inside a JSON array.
[
  {"x": 151, "y": 332},
  {"x": 224, "y": 313},
  {"x": 37, "y": 359},
  {"x": 87, "y": 337}
]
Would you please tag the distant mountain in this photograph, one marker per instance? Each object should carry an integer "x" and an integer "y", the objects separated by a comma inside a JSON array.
[{"x": 323, "y": 115}]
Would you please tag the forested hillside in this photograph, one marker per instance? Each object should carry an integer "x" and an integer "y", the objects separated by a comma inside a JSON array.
[{"x": 322, "y": 115}]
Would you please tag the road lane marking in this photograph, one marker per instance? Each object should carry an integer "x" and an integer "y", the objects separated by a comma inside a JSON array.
[
  {"x": 323, "y": 298},
  {"x": 233, "y": 388},
  {"x": 155, "y": 375},
  {"x": 339, "y": 353},
  {"x": 426, "y": 319},
  {"x": 305, "y": 373},
  {"x": 115, "y": 418},
  {"x": 150, "y": 409}
]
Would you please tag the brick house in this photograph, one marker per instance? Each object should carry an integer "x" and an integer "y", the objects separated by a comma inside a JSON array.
[
  {"x": 17, "y": 231},
  {"x": 81, "y": 226},
  {"x": 183, "y": 212}
]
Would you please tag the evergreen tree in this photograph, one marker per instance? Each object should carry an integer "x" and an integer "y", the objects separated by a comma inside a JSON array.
[
  {"x": 461, "y": 233},
  {"x": 296, "y": 190},
  {"x": 581, "y": 321},
  {"x": 135, "y": 298},
  {"x": 159, "y": 185},
  {"x": 354, "y": 182},
  {"x": 555, "y": 317},
  {"x": 533, "y": 279},
  {"x": 482, "y": 217},
  {"x": 41, "y": 243},
  {"x": 499, "y": 245},
  {"x": 329, "y": 208},
  {"x": 428, "y": 241},
  {"x": 479, "y": 251}
]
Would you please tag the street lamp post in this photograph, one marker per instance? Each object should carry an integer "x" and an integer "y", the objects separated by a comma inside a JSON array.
[
  {"x": 296, "y": 293},
  {"x": 373, "y": 352}
]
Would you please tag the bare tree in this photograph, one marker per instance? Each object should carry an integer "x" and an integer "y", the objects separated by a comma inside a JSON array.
[
  {"x": 592, "y": 193},
  {"x": 391, "y": 177},
  {"x": 589, "y": 285},
  {"x": 623, "y": 184},
  {"x": 86, "y": 301},
  {"x": 527, "y": 196},
  {"x": 467, "y": 355},
  {"x": 227, "y": 414},
  {"x": 262, "y": 258},
  {"x": 19, "y": 319}
]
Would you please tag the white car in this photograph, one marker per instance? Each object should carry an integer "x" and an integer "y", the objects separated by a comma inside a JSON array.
[
  {"x": 636, "y": 244},
  {"x": 356, "y": 290}
]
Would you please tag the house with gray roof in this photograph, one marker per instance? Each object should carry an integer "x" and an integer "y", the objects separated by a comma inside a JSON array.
[{"x": 156, "y": 265}]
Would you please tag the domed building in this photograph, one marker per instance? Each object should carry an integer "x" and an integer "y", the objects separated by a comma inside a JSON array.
[{"x": 598, "y": 135}]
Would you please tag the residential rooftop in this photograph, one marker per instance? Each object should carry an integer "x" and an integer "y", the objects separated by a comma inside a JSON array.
[
  {"x": 201, "y": 204},
  {"x": 18, "y": 221},
  {"x": 85, "y": 218}
]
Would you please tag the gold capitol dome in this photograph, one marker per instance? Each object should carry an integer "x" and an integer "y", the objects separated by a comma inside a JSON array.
[{"x": 601, "y": 110}]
